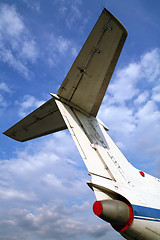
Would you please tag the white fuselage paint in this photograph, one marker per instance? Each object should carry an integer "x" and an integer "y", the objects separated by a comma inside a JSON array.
[{"x": 112, "y": 176}]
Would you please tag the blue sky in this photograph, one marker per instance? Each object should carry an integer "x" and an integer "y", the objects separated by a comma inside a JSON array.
[{"x": 43, "y": 194}]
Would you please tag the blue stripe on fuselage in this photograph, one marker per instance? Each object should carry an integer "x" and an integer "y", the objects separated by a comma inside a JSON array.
[{"x": 146, "y": 213}]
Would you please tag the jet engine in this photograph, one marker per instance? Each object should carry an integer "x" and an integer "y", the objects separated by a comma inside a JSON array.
[{"x": 119, "y": 214}]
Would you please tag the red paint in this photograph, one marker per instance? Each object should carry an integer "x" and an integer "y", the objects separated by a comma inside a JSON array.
[
  {"x": 97, "y": 208},
  {"x": 142, "y": 173}
]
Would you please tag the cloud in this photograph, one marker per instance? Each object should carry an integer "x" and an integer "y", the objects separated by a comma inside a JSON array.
[
  {"x": 4, "y": 89},
  {"x": 59, "y": 44},
  {"x": 11, "y": 24},
  {"x": 13, "y": 194},
  {"x": 142, "y": 98},
  {"x": 150, "y": 65},
  {"x": 2, "y": 101},
  {"x": 131, "y": 107},
  {"x": 156, "y": 93},
  {"x": 45, "y": 162},
  {"x": 28, "y": 104},
  {"x": 17, "y": 47},
  {"x": 45, "y": 193},
  {"x": 8, "y": 57},
  {"x": 69, "y": 10},
  {"x": 33, "y": 5},
  {"x": 125, "y": 86},
  {"x": 29, "y": 51},
  {"x": 60, "y": 47},
  {"x": 74, "y": 14},
  {"x": 51, "y": 222}
]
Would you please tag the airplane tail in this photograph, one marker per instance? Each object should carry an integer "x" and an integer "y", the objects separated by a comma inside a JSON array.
[
  {"x": 75, "y": 106},
  {"x": 77, "y": 102},
  {"x": 85, "y": 84}
]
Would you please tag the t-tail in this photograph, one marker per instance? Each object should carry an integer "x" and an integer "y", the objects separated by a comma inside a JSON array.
[{"x": 127, "y": 198}]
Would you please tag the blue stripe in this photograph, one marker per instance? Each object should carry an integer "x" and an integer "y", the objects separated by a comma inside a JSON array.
[
  {"x": 146, "y": 212},
  {"x": 147, "y": 219}
]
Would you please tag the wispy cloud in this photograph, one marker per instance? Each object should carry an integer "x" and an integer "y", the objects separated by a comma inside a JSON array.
[
  {"x": 28, "y": 104},
  {"x": 29, "y": 51},
  {"x": 59, "y": 47},
  {"x": 69, "y": 10},
  {"x": 4, "y": 89},
  {"x": 17, "y": 47},
  {"x": 3, "y": 102},
  {"x": 34, "y": 5}
]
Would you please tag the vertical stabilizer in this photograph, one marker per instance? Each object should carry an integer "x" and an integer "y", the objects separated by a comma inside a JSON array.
[{"x": 90, "y": 74}]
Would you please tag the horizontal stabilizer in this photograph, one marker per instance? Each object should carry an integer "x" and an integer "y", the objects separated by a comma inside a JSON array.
[
  {"x": 90, "y": 74},
  {"x": 44, "y": 120}
]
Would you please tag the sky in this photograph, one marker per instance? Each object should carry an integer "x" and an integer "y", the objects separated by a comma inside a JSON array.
[{"x": 43, "y": 191}]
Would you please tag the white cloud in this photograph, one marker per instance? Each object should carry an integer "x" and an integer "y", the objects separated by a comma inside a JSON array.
[
  {"x": 28, "y": 104},
  {"x": 60, "y": 44},
  {"x": 53, "y": 222},
  {"x": 4, "y": 87},
  {"x": 156, "y": 93},
  {"x": 17, "y": 48},
  {"x": 121, "y": 118},
  {"x": 125, "y": 88},
  {"x": 3, "y": 90},
  {"x": 150, "y": 65},
  {"x": 3, "y": 102},
  {"x": 74, "y": 14},
  {"x": 7, "y": 56},
  {"x": 39, "y": 171},
  {"x": 69, "y": 10},
  {"x": 142, "y": 98},
  {"x": 148, "y": 126},
  {"x": 131, "y": 109},
  {"x": 13, "y": 194},
  {"x": 34, "y": 5},
  {"x": 29, "y": 51},
  {"x": 11, "y": 23},
  {"x": 58, "y": 47},
  {"x": 46, "y": 194}
]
